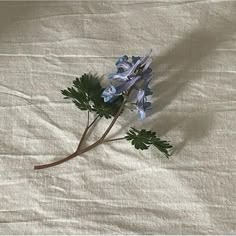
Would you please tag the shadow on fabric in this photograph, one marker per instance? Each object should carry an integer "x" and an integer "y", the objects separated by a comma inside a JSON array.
[{"x": 177, "y": 66}]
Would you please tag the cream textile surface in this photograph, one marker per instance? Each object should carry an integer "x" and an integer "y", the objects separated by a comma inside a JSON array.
[{"x": 115, "y": 189}]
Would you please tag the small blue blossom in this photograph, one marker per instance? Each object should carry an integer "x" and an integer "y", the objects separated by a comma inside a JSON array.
[
  {"x": 108, "y": 93},
  {"x": 127, "y": 70},
  {"x": 113, "y": 91},
  {"x": 142, "y": 104},
  {"x": 130, "y": 73}
]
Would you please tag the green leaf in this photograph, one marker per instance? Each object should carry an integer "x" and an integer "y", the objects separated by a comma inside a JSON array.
[
  {"x": 107, "y": 109},
  {"x": 143, "y": 139},
  {"x": 86, "y": 95}
]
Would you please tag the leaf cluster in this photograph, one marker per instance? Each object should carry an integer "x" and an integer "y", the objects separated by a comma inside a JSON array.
[
  {"x": 86, "y": 95},
  {"x": 142, "y": 139}
]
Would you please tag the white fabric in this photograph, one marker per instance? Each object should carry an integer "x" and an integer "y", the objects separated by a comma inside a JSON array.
[{"x": 115, "y": 189}]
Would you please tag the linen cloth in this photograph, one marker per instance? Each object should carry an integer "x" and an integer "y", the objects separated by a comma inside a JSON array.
[{"x": 115, "y": 189}]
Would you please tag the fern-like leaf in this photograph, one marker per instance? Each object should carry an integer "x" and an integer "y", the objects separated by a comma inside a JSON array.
[
  {"x": 143, "y": 139},
  {"x": 86, "y": 95}
]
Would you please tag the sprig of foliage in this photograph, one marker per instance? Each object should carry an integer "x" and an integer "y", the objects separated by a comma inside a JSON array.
[
  {"x": 107, "y": 109},
  {"x": 86, "y": 95},
  {"x": 142, "y": 139}
]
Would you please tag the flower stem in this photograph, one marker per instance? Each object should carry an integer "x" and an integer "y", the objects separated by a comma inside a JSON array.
[
  {"x": 98, "y": 142},
  {"x": 38, "y": 167},
  {"x": 86, "y": 131},
  {"x": 114, "y": 139},
  {"x": 94, "y": 121},
  {"x": 87, "y": 119}
]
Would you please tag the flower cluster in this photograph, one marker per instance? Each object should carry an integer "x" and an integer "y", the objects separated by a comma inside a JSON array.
[{"x": 135, "y": 73}]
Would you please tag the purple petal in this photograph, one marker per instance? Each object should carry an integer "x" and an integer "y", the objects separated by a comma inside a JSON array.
[
  {"x": 147, "y": 64},
  {"x": 148, "y": 92},
  {"x": 108, "y": 93},
  {"x": 146, "y": 106},
  {"x": 126, "y": 85},
  {"x": 124, "y": 65},
  {"x": 122, "y": 59},
  {"x": 141, "y": 104},
  {"x": 124, "y": 76},
  {"x": 140, "y": 95},
  {"x": 135, "y": 59},
  {"x": 142, "y": 114}
]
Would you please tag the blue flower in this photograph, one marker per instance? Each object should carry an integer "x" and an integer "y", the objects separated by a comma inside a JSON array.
[
  {"x": 127, "y": 75},
  {"x": 142, "y": 104},
  {"x": 113, "y": 91},
  {"x": 108, "y": 93},
  {"x": 127, "y": 70}
]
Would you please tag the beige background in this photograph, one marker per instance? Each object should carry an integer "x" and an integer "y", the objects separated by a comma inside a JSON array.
[{"x": 115, "y": 189}]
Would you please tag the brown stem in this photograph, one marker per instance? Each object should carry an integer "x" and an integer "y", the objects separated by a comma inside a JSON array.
[
  {"x": 114, "y": 139},
  {"x": 56, "y": 162},
  {"x": 82, "y": 138},
  {"x": 113, "y": 122},
  {"x": 77, "y": 152},
  {"x": 116, "y": 116},
  {"x": 100, "y": 141},
  {"x": 87, "y": 119},
  {"x": 85, "y": 132},
  {"x": 94, "y": 121}
]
